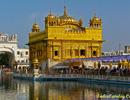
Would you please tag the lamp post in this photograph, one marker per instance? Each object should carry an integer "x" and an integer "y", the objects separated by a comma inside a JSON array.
[
  {"x": 110, "y": 65},
  {"x": 69, "y": 67},
  {"x": 119, "y": 66},
  {"x": 83, "y": 67},
  {"x": 95, "y": 66},
  {"x": 15, "y": 66},
  {"x": 35, "y": 67},
  {"x": 26, "y": 69},
  {"x": 19, "y": 69},
  {"x": 99, "y": 65}
]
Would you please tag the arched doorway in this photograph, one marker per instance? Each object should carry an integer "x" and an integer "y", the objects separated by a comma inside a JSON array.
[
  {"x": 6, "y": 59},
  {"x": 10, "y": 57}
]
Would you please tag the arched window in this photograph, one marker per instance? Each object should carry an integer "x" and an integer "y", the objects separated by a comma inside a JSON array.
[
  {"x": 22, "y": 54},
  {"x": 97, "y": 25},
  {"x": 54, "y": 23},
  {"x": 18, "y": 52},
  {"x": 56, "y": 53},
  {"x": 49, "y": 23},
  {"x": 82, "y": 52},
  {"x": 26, "y": 52},
  {"x": 36, "y": 66},
  {"x": 94, "y": 53},
  {"x": 94, "y": 25}
]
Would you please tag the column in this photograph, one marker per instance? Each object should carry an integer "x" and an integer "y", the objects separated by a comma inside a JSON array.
[{"x": 79, "y": 52}]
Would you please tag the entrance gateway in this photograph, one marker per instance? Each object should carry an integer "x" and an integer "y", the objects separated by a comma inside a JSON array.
[{"x": 9, "y": 45}]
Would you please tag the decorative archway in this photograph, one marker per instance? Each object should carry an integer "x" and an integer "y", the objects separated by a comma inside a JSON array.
[{"x": 11, "y": 54}]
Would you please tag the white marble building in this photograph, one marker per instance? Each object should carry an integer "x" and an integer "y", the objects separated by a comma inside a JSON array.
[
  {"x": 22, "y": 57},
  {"x": 114, "y": 53},
  {"x": 9, "y": 45}
]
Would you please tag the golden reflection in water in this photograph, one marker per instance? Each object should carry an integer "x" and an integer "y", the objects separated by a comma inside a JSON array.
[{"x": 64, "y": 90}]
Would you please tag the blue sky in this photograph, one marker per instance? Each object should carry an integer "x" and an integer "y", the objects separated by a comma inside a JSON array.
[{"x": 18, "y": 16}]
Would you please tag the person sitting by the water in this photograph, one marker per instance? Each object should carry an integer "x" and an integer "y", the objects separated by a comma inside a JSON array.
[{"x": 61, "y": 71}]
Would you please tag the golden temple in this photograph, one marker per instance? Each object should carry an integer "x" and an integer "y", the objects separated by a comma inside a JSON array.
[{"x": 65, "y": 38}]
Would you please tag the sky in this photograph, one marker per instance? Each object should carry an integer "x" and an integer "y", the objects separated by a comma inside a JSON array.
[{"x": 18, "y": 16}]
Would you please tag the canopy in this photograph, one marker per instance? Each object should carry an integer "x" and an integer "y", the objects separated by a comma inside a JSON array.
[
  {"x": 107, "y": 58},
  {"x": 56, "y": 67}
]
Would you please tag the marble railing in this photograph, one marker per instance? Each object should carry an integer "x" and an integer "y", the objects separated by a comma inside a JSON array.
[{"x": 78, "y": 76}]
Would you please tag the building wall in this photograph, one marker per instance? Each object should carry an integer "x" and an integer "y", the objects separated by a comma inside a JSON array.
[
  {"x": 127, "y": 49},
  {"x": 65, "y": 38},
  {"x": 9, "y": 45},
  {"x": 22, "y": 57}
]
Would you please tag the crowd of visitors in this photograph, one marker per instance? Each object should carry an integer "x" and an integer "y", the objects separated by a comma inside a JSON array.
[{"x": 96, "y": 71}]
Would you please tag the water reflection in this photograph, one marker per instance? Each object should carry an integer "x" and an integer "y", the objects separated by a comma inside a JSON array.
[{"x": 14, "y": 89}]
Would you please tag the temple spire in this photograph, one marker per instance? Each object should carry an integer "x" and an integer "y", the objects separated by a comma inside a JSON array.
[
  {"x": 80, "y": 17},
  {"x": 35, "y": 27},
  {"x": 95, "y": 13},
  {"x": 50, "y": 12},
  {"x": 35, "y": 21},
  {"x": 65, "y": 12}
]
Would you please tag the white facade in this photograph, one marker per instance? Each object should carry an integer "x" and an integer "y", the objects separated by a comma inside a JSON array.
[
  {"x": 22, "y": 57},
  {"x": 9, "y": 45},
  {"x": 114, "y": 53}
]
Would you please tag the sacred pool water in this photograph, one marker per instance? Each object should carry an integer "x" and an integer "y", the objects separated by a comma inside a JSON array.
[{"x": 15, "y": 89}]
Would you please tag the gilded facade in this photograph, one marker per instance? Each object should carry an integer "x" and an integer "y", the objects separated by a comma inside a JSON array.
[{"x": 65, "y": 38}]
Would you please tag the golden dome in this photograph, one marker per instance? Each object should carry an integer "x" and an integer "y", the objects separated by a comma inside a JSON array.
[
  {"x": 81, "y": 19},
  {"x": 35, "y": 60},
  {"x": 66, "y": 18},
  {"x": 35, "y": 26},
  {"x": 95, "y": 18},
  {"x": 50, "y": 15}
]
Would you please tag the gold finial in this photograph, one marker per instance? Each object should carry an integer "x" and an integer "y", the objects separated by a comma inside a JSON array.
[
  {"x": 50, "y": 12},
  {"x": 95, "y": 13},
  {"x": 100, "y": 19},
  {"x": 95, "y": 18},
  {"x": 80, "y": 17},
  {"x": 90, "y": 19},
  {"x": 80, "y": 21},
  {"x": 65, "y": 2},
  {"x": 35, "y": 21},
  {"x": 65, "y": 12}
]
